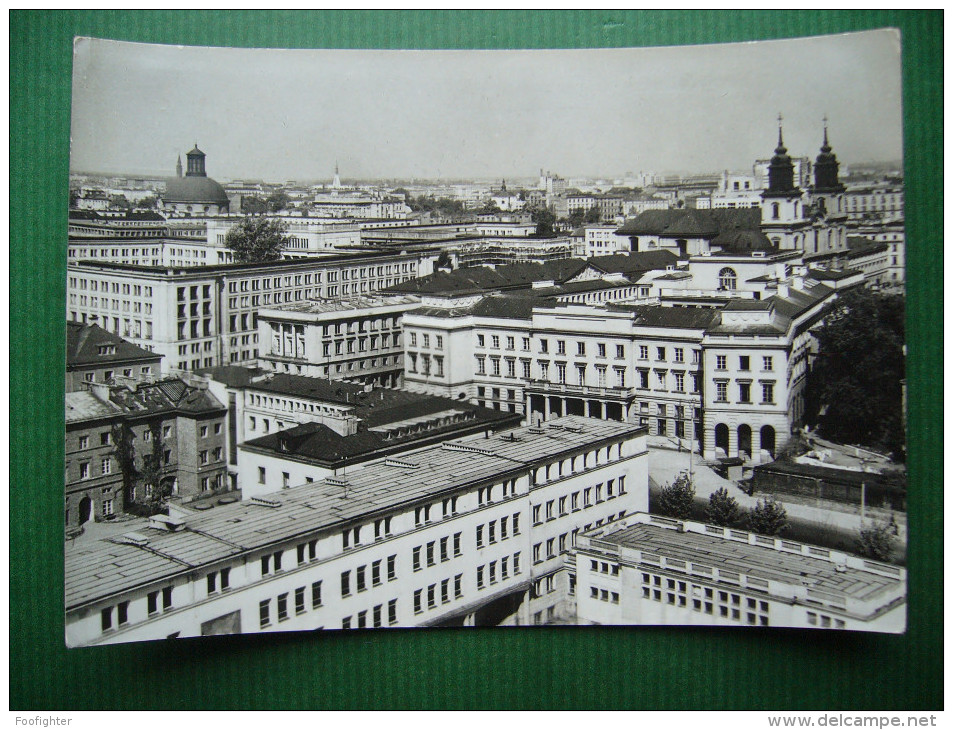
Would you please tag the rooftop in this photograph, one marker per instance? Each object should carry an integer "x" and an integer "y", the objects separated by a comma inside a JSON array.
[
  {"x": 90, "y": 344},
  {"x": 100, "y": 569},
  {"x": 768, "y": 559},
  {"x": 345, "y": 305}
]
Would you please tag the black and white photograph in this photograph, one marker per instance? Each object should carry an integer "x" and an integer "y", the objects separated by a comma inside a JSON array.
[{"x": 375, "y": 339}]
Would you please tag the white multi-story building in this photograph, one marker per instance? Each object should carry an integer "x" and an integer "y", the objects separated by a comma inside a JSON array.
[
  {"x": 358, "y": 338},
  {"x": 206, "y": 316},
  {"x": 651, "y": 570},
  {"x": 471, "y": 532},
  {"x": 734, "y": 367},
  {"x": 602, "y": 240}
]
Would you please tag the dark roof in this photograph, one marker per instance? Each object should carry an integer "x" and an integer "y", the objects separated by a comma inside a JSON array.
[
  {"x": 479, "y": 278},
  {"x": 162, "y": 396},
  {"x": 635, "y": 263},
  {"x": 195, "y": 189},
  {"x": 860, "y": 246},
  {"x": 233, "y": 376},
  {"x": 503, "y": 307},
  {"x": 83, "y": 343},
  {"x": 689, "y": 223},
  {"x": 318, "y": 442},
  {"x": 737, "y": 240},
  {"x": 832, "y": 274},
  {"x": 649, "y": 315}
]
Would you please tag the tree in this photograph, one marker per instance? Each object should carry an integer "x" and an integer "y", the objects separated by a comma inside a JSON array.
[
  {"x": 256, "y": 239},
  {"x": 73, "y": 197},
  {"x": 593, "y": 215},
  {"x": 544, "y": 219},
  {"x": 254, "y": 205},
  {"x": 854, "y": 389},
  {"x": 576, "y": 218},
  {"x": 722, "y": 508},
  {"x": 119, "y": 202},
  {"x": 443, "y": 261},
  {"x": 676, "y": 499},
  {"x": 277, "y": 201},
  {"x": 768, "y": 517},
  {"x": 876, "y": 540},
  {"x": 148, "y": 202}
]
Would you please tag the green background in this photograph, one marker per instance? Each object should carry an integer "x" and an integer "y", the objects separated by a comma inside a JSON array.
[{"x": 601, "y": 668}]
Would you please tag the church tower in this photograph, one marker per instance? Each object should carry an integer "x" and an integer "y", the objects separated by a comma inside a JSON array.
[
  {"x": 178, "y": 166},
  {"x": 827, "y": 199},
  {"x": 336, "y": 183},
  {"x": 782, "y": 211},
  {"x": 196, "y": 162}
]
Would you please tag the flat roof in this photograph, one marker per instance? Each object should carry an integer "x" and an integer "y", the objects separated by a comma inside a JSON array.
[
  {"x": 99, "y": 569},
  {"x": 760, "y": 561},
  {"x": 323, "y": 306}
]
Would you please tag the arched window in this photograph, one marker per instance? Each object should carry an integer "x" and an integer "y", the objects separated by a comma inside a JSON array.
[
  {"x": 727, "y": 279},
  {"x": 775, "y": 210}
]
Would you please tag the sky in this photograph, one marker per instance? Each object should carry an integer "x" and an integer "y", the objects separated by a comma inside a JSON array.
[{"x": 292, "y": 114}]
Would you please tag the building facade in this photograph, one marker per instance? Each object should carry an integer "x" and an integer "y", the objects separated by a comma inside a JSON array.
[
  {"x": 650, "y": 570},
  {"x": 206, "y": 316},
  {"x": 471, "y": 532}
]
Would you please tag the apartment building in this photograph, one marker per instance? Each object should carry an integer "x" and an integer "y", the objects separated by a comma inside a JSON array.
[
  {"x": 358, "y": 338},
  {"x": 206, "y": 316},
  {"x": 113, "y": 431},
  {"x": 471, "y": 532},
  {"x": 882, "y": 202},
  {"x": 94, "y": 355},
  {"x": 650, "y": 570}
]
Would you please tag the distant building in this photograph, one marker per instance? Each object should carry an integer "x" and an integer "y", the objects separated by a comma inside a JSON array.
[
  {"x": 94, "y": 355},
  {"x": 195, "y": 192},
  {"x": 649, "y": 570}
]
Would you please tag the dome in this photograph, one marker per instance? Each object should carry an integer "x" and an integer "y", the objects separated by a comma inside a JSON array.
[{"x": 194, "y": 190}]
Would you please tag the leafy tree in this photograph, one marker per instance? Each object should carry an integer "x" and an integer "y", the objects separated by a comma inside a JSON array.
[
  {"x": 73, "y": 197},
  {"x": 676, "y": 499},
  {"x": 254, "y": 205},
  {"x": 119, "y": 202},
  {"x": 854, "y": 387},
  {"x": 490, "y": 208},
  {"x": 544, "y": 219},
  {"x": 593, "y": 215},
  {"x": 722, "y": 508},
  {"x": 876, "y": 540},
  {"x": 277, "y": 201},
  {"x": 256, "y": 239},
  {"x": 768, "y": 517},
  {"x": 576, "y": 218},
  {"x": 443, "y": 261},
  {"x": 148, "y": 202}
]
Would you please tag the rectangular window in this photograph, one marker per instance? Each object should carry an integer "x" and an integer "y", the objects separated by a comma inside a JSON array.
[
  {"x": 167, "y": 598},
  {"x": 480, "y": 577},
  {"x": 432, "y": 596},
  {"x": 767, "y": 392},
  {"x": 316, "y": 594},
  {"x": 744, "y": 362},
  {"x": 721, "y": 392},
  {"x": 416, "y": 558},
  {"x": 392, "y": 611},
  {"x": 767, "y": 363},
  {"x": 516, "y": 524},
  {"x": 346, "y": 583},
  {"x": 283, "y": 607},
  {"x": 264, "y": 613},
  {"x": 456, "y": 544},
  {"x": 360, "y": 578},
  {"x": 376, "y": 573},
  {"x": 444, "y": 549},
  {"x": 417, "y": 603},
  {"x": 430, "y": 553},
  {"x": 479, "y": 536},
  {"x": 721, "y": 362},
  {"x": 391, "y": 567}
]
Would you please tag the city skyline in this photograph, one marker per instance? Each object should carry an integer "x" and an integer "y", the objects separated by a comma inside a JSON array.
[{"x": 481, "y": 114}]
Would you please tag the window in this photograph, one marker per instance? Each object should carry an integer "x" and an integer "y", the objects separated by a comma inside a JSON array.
[
  {"x": 432, "y": 595},
  {"x": 643, "y": 352},
  {"x": 430, "y": 553},
  {"x": 458, "y": 586},
  {"x": 84, "y": 470},
  {"x": 108, "y": 507},
  {"x": 767, "y": 392},
  {"x": 264, "y": 613},
  {"x": 376, "y": 573},
  {"x": 721, "y": 391},
  {"x": 767, "y": 363},
  {"x": 444, "y": 549},
  {"x": 479, "y": 576},
  {"x": 727, "y": 278},
  {"x": 261, "y": 475},
  {"x": 679, "y": 354},
  {"x": 721, "y": 362},
  {"x": 283, "y": 607},
  {"x": 316, "y": 594},
  {"x": 416, "y": 558},
  {"x": 346, "y": 583},
  {"x": 418, "y": 608}
]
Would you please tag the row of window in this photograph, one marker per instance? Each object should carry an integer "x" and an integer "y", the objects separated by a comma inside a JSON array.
[
  {"x": 570, "y": 503},
  {"x": 730, "y": 605},
  {"x": 487, "y": 534},
  {"x": 377, "y": 617},
  {"x": 444, "y": 586},
  {"x": 425, "y": 340},
  {"x": 282, "y": 605},
  {"x": 430, "y": 551},
  {"x": 744, "y": 392},
  {"x": 361, "y": 576},
  {"x": 744, "y": 362},
  {"x": 557, "y": 545},
  {"x": 509, "y": 565}
]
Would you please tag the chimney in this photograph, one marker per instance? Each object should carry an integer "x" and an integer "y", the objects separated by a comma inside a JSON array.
[
  {"x": 797, "y": 282},
  {"x": 783, "y": 291}
]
